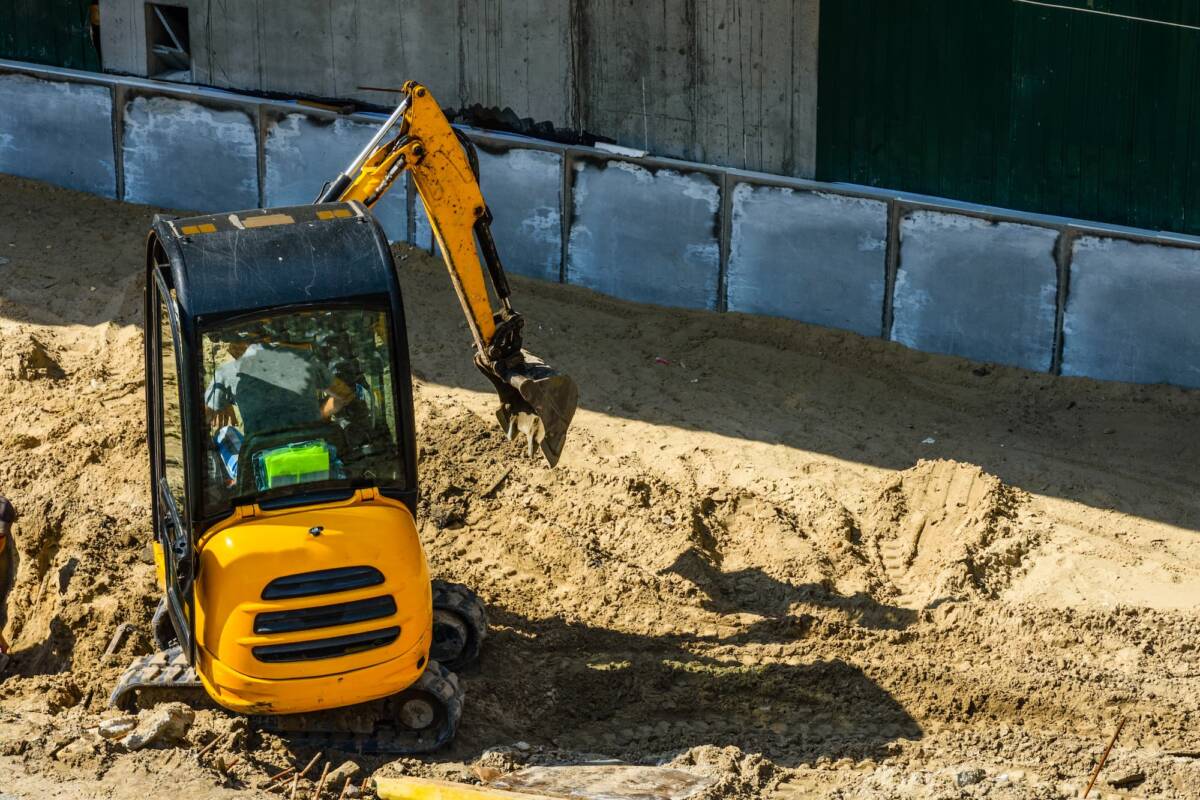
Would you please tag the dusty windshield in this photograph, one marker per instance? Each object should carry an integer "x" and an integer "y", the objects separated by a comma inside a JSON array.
[{"x": 299, "y": 399}]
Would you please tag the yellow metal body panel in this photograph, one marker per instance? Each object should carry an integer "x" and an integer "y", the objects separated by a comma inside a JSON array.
[
  {"x": 244, "y": 553},
  {"x": 160, "y": 567}
]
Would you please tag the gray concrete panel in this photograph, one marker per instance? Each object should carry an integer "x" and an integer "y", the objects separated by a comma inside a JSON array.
[
  {"x": 756, "y": 85},
  {"x": 645, "y": 234},
  {"x": 810, "y": 256},
  {"x": 123, "y": 36},
  {"x": 185, "y": 155},
  {"x": 523, "y": 187},
  {"x": 323, "y": 49},
  {"x": 58, "y": 132},
  {"x": 302, "y": 152},
  {"x": 974, "y": 288},
  {"x": 1133, "y": 312}
]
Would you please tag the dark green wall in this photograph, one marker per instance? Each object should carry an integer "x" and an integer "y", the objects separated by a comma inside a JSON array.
[
  {"x": 1018, "y": 106},
  {"x": 54, "y": 32}
]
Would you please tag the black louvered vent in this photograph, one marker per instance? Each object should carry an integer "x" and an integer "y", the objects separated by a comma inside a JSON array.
[
  {"x": 326, "y": 648},
  {"x": 306, "y": 619},
  {"x": 326, "y": 581}
]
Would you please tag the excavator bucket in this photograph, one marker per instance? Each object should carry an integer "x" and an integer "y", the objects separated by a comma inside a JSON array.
[{"x": 535, "y": 399}]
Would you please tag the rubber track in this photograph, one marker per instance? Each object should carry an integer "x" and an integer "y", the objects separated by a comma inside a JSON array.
[
  {"x": 387, "y": 738},
  {"x": 166, "y": 676},
  {"x": 162, "y": 674}
]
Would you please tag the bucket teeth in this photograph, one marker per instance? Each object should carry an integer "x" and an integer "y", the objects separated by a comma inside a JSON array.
[{"x": 535, "y": 399}]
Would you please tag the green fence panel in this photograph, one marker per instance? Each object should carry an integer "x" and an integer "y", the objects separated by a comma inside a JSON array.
[
  {"x": 1016, "y": 105},
  {"x": 55, "y": 32}
]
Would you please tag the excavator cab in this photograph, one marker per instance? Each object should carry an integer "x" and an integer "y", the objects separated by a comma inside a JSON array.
[{"x": 284, "y": 483}]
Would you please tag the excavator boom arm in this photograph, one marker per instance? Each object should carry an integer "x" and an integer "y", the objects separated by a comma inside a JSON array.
[{"x": 535, "y": 399}]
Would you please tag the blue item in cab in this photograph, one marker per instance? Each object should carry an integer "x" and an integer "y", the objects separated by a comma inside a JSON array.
[{"x": 229, "y": 444}]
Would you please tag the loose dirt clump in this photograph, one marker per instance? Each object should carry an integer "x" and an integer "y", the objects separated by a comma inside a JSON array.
[{"x": 945, "y": 530}]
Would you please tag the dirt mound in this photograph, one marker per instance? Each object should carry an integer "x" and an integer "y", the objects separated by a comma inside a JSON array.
[{"x": 943, "y": 530}]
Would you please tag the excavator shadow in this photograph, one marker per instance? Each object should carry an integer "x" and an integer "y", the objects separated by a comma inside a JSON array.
[
  {"x": 50, "y": 656},
  {"x": 579, "y": 688},
  {"x": 753, "y": 591}
]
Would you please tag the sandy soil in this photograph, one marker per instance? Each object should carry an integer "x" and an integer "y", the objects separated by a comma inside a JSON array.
[{"x": 800, "y": 561}]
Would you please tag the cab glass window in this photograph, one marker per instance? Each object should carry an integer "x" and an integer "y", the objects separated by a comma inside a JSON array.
[
  {"x": 298, "y": 402},
  {"x": 172, "y": 417}
]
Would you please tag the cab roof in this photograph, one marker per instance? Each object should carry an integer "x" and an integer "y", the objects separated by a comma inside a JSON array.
[{"x": 223, "y": 264}]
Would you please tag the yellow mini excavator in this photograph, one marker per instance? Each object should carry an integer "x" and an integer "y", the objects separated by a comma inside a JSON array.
[{"x": 283, "y": 457}]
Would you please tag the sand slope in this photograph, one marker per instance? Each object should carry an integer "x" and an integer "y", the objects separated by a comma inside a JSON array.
[{"x": 751, "y": 561}]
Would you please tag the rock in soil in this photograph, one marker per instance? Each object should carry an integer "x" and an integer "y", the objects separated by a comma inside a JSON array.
[{"x": 163, "y": 724}]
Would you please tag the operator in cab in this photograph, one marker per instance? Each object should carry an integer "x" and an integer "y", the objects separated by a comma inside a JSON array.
[
  {"x": 296, "y": 399},
  {"x": 272, "y": 385}
]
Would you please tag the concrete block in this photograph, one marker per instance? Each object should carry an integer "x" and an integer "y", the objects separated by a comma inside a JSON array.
[
  {"x": 1131, "y": 312},
  {"x": 303, "y": 152},
  {"x": 648, "y": 234},
  {"x": 810, "y": 256},
  {"x": 974, "y": 288},
  {"x": 523, "y": 189},
  {"x": 188, "y": 155},
  {"x": 58, "y": 132}
]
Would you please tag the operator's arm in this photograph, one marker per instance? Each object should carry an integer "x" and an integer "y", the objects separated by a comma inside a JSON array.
[
  {"x": 337, "y": 395},
  {"x": 535, "y": 399}
]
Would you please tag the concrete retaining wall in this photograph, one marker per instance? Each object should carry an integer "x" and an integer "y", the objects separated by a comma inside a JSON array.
[
  {"x": 728, "y": 83},
  {"x": 1133, "y": 312},
  {"x": 180, "y": 153},
  {"x": 302, "y": 151},
  {"x": 58, "y": 131},
  {"x": 523, "y": 188},
  {"x": 1042, "y": 293}
]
